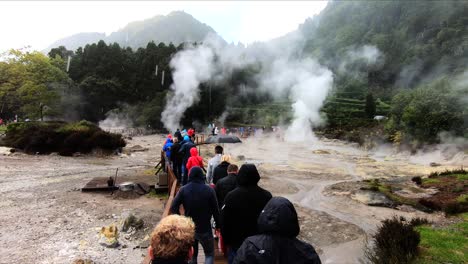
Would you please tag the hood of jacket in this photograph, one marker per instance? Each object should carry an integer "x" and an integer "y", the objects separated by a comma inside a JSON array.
[
  {"x": 279, "y": 217},
  {"x": 193, "y": 152},
  {"x": 186, "y": 138},
  {"x": 248, "y": 175},
  {"x": 196, "y": 175}
]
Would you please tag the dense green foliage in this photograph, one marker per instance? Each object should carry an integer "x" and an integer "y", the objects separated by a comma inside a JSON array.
[
  {"x": 420, "y": 43},
  {"x": 61, "y": 137},
  {"x": 29, "y": 82}
]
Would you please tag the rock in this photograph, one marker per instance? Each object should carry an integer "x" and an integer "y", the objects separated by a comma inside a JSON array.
[
  {"x": 136, "y": 148},
  {"x": 241, "y": 157},
  {"x": 434, "y": 164},
  {"x": 6, "y": 150},
  {"x": 373, "y": 198},
  {"x": 109, "y": 236},
  {"x": 321, "y": 152}
]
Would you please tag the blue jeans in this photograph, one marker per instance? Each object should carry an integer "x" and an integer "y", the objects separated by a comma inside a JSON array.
[
  {"x": 207, "y": 242},
  {"x": 183, "y": 173},
  {"x": 232, "y": 253}
]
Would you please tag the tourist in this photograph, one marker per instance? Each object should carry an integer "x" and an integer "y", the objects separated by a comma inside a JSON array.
[
  {"x": 226, "y": 184},
  {"x": 172, "y": 240},
  {"x": 213, "y": 162},
  {"x": 216, "y": 131},
  {"x": 184, "y": 151},
  {"x": 199, "y": 202},
  {"x": 242, "y": 206},
  {"x": 167, "y": 147},
  {"x": 178, "y": 135},
  {"x": 194, "y": 160},
  {"x": 278, "y": 226},
  {"x": 176, "y": 159},
  {"x": 221, "y": 170}
]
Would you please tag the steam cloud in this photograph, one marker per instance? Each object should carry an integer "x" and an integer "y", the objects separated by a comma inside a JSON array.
[
  {"x": 283, "y": 71},
  {"x": 192, "y": 67}
]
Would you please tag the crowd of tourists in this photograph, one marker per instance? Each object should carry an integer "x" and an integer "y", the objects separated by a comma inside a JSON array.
[{"x": 224, "y": 205}]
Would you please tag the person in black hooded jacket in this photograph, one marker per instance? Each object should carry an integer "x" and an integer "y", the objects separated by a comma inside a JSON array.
[
  {"x": 199, "y": 201},
  {"x": 277, "y": 243},
  {"x": 242, "y": 206}
]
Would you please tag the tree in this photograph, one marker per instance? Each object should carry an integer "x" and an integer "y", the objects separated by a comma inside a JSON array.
[
  {"x": 370, "y": 107},
  {"x": 27, "y": 81}
]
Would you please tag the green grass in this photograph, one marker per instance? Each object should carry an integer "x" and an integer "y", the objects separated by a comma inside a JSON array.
[
  {"x": 3, "y": 128},
  {"x": 430, "y": 180},
  {"x": 445, "y": 245},
  {"x": 154, "y": 194},
  {"x": 461, "y": 177},
  {"x": 463, "y": 198}
]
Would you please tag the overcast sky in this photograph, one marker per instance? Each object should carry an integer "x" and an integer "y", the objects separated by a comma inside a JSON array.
[{"x": 39, "y": 23}]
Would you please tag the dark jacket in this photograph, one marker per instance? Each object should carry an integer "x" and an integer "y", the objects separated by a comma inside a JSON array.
[
  {"x": 242, "y": 206},
  {"x": 199, "y": 201},
  {"x": 184, "y": 150},
  {"x": 220, "y": 171},
  {"x": 224, "y": 186},
  {"x": 169, "y": 261},
  {"x": 176, "y": 157},
  {"x": 178, "y": 135},
  {"x": 277, "y": 243}
]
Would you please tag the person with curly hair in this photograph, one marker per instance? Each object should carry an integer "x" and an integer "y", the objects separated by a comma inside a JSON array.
[{"x": 172, "y": 240}]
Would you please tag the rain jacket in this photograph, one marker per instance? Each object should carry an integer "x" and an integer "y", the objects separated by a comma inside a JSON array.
[
  {"x": 167, "y": 147},
  {"x": 176, "y": 158},
  {"x": 224, "y": 186},
  {"x": 242, "y": 206},
  {"x": 277, "y": 243},
  {"x": 220, "y": 171},
  {"x": 194, "y": 159},
  {"x": 211, "y": 166},
  {"x": 184, "y": 150},
  {"x": 199, "y": 201}
]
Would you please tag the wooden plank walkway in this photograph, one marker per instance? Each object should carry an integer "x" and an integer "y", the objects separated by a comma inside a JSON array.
[{"x": 174, "y": 188}]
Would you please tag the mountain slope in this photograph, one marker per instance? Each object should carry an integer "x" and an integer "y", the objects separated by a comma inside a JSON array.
[{"x": 177, "y": 27}]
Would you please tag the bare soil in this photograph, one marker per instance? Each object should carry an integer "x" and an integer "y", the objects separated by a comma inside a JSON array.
[{"x": 47, "y": 219}]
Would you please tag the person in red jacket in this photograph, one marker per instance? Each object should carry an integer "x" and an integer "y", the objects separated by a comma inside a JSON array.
[{"x": 194, "y": 160}]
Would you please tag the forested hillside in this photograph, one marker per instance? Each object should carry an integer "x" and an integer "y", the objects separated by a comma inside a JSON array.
[
  {"x": 420, "y": 70},
  {"x": 177, "y": 27},
  {"x": 414, "y": 72}
]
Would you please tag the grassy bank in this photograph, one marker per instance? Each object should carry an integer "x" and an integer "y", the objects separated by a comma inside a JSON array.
[{"x": 444, "y": 245}]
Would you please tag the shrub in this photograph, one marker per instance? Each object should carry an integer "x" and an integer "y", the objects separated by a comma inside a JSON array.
[
  {"x": 61, "y": 137},
  {"x": 417, "y": 180},
  {"x": 394, "y": 242}
]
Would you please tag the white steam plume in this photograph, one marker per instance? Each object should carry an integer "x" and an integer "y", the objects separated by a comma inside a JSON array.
[
  {"x": 191, "y": 67},
  {"x": 309, "y": 84},
  {"x": 282, "y": 71}
]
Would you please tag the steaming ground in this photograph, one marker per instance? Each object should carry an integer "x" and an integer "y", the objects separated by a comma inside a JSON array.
[
  {"x": 304, "y": 172},
  {"x": 46, "y": 220}
]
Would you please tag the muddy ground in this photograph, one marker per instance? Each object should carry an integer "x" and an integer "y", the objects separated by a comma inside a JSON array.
[{"x": 46, "y": 219}]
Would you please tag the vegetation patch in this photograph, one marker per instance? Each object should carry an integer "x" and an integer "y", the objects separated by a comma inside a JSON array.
[
  {"x": 444, "y": 245},
  {"x": 451, "y": 196},
  {"x": 64, "y": 138},
  {"x": 453, "y": 189},
  {"x": 396, "y": 241}
]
